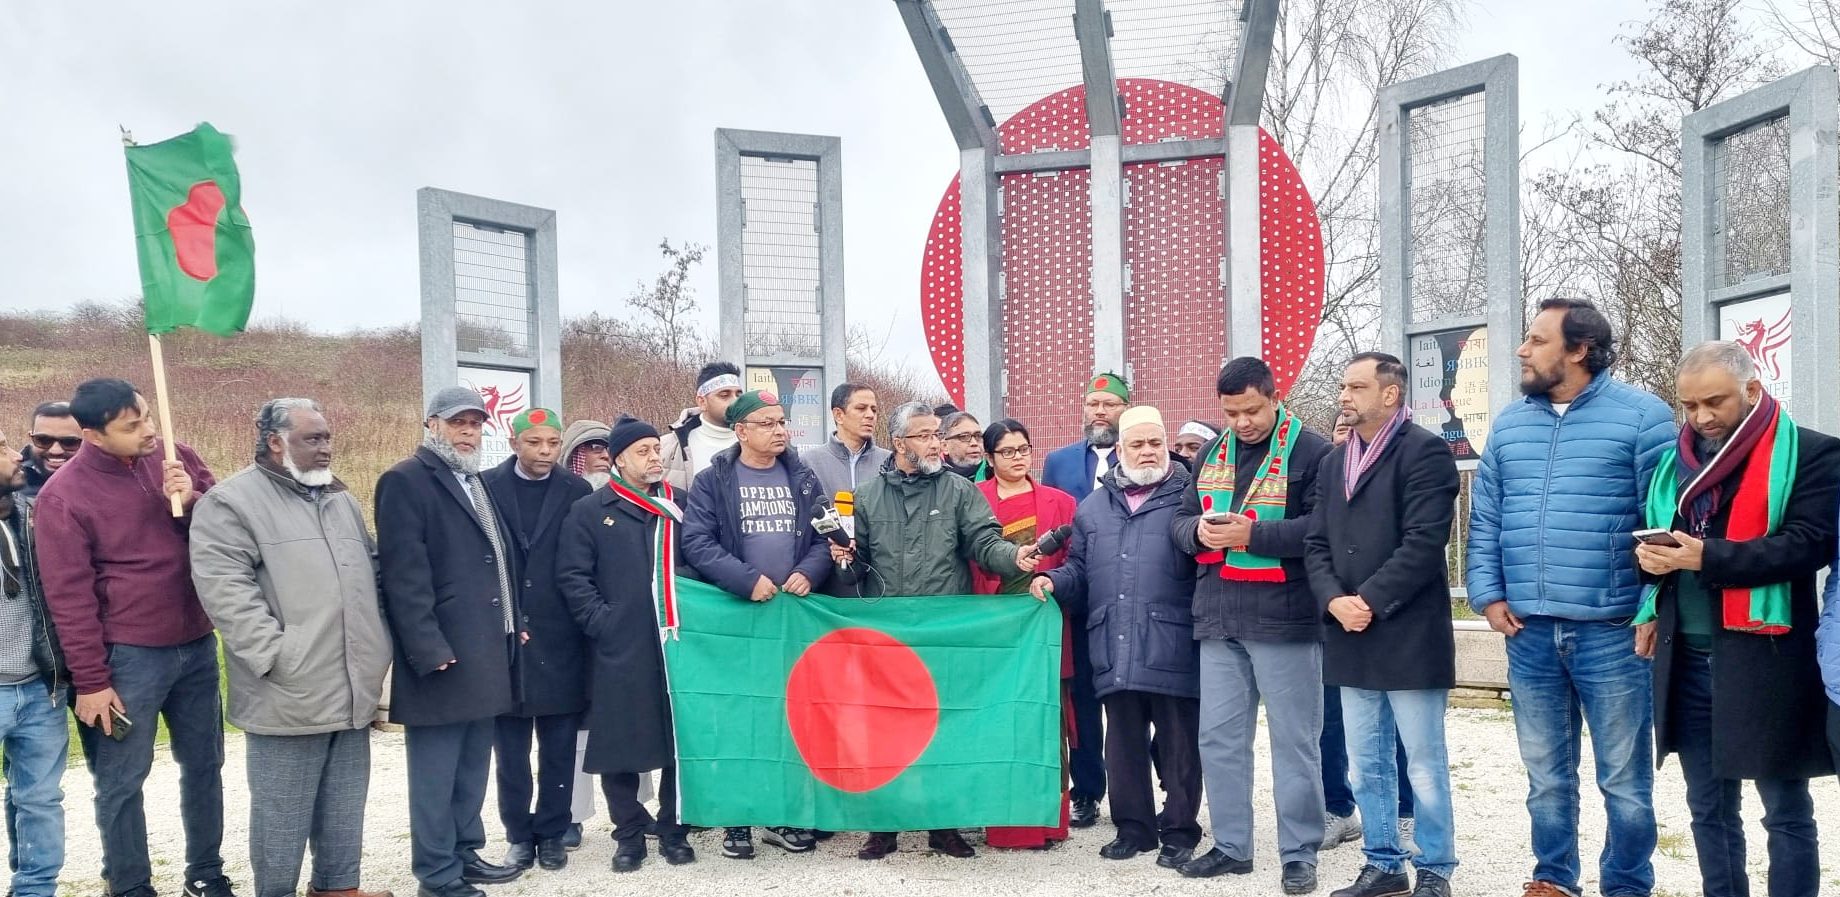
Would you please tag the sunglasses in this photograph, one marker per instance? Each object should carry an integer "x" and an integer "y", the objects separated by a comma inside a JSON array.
[{"x": 44, "y": 441}]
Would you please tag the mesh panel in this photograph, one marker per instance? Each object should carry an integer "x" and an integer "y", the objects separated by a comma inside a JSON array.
[
  {"x": 779, "y": 257},
  {"x": 1448, "y": 271},
  {"x": 492, "y": 296},
  {"x": 1750, "y": 206}
]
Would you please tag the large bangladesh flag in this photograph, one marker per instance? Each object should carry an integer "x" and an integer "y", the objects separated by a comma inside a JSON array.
[
  {"x": 196, "y": 251},
  {"x": 891, "y": 714}
]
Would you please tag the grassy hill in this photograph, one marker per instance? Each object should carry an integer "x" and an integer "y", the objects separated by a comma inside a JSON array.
[{"x": 370, "y": 382}]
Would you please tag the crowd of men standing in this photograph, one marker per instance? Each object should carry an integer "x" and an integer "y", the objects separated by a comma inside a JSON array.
[{"x": 1208, "y": 571}]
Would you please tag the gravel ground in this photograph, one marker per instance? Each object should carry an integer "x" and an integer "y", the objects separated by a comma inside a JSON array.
[{"x": 1492, "y": 845}]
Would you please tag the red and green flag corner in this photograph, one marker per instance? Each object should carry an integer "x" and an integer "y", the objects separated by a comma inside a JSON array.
[
  {"x": 891, "y": 714},
  {"x": 197, "y": 254}
]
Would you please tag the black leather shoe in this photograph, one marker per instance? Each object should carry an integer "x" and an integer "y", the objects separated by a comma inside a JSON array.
[
  {"x": 551, "y": 854},
  {"x": 949, "y": 842},
  {"x": 1172, "y": 857},
  {"x": 456, "y": 888},
  {"x": 1085, "y": 813},
  {"x": 522, "y": 855},
  {"x": 1215, "y": 862},
  {"x": 480, "y": 872},
  {"x": 1374, "y": 883},
  {"x": 823, "y": 834},
  {"x": 1431, "y": 884},
  {"x": 1120, "y": 849},
  {"x": 629, "y": 856},
  {"x": 880, "y": 844},
  {"x": 1300, "y": 878},
  {"x": 676, "y": 850},
  {"x": 571, "y": 839}
]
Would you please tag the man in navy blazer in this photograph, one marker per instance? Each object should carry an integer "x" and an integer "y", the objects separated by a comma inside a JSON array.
[{"x": 1075, "y": 469}]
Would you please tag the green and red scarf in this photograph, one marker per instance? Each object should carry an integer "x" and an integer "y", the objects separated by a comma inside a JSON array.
[
  {"x": 1267, "y": 497},
  {"x": 1694, "y": 488},
  {"x": 664, "y": 546}
]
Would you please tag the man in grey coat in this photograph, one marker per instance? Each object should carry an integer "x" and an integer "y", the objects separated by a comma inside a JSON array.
[{"x": 287, "y": 571}]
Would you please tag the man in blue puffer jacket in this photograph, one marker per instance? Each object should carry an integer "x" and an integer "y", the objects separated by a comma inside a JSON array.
[
  {"x": 1562, "y": 483},
  {"x": 1827, "y": 647}
]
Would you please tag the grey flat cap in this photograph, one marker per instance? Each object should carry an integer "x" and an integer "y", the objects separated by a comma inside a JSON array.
[{"x": 453, "y": 400}]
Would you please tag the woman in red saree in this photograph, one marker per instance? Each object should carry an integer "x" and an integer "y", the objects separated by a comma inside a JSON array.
[{"x": 1027, "y": 511}]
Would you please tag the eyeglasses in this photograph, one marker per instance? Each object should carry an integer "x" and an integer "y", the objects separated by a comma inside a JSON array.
[
  {"x": 922, "y": 437},
  {"x": 1097, "y": 405},
  {"x": 1019, "y": 451},
  {"x": 966, "y": 438},
  {"x": 779, "y": 424},
  {"x": 44, "y": 441}
]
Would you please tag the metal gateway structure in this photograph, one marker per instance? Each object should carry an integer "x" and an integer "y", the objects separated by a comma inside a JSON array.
[
  {"x": 491, "y": 319},
  {"x": 1117, "y": 206},
  {"x": 779, "y": 249}
]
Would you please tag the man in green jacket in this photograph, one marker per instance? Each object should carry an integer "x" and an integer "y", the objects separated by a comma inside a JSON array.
[{"x": 918, "y": 529}]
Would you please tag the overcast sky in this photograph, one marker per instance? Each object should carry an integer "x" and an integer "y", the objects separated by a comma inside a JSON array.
[{"x": 602, "y": 111}]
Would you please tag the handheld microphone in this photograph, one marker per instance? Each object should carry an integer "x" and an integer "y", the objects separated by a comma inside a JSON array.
[
  {"x": 829, "y": 524},
  {"x": 1054, "y": 540},
  {"x": 845, "y": 503}
]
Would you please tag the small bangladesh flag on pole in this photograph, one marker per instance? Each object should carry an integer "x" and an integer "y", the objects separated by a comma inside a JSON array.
[
  {"x": 897, "y": 714},
  {"x": 196, "y": 252}
]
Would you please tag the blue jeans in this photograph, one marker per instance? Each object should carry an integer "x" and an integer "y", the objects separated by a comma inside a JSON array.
[
  {"x": 1718, "y": 829},
  {"x": 1338, "y": 796},
  {"x": 1375, "y": 722},
  {"x": 36, "y": 740},
  {"x": 1565, "y": 675},
  {"x": 177, "y": 684}
]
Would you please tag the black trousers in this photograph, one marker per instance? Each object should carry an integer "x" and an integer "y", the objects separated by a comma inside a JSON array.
[
  {"x": 555, "y": 776},
  {"x": 1129, "y": 718},
  {"x": 1086, "y": 762},
  {"x": 1833, "y": 729},
  {"x": 630, "y": 816},
  {"x": 448, "y": 768}
]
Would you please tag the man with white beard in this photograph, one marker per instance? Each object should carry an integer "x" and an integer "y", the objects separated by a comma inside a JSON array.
[
  {"x": 447, "y": 575},
  {"x": 1125, "y": 575},
  {"x": 287, "y": 571}
]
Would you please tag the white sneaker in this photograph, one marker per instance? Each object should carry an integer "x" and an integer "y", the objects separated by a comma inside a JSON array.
[
  {"x": 1407, "y": 828},
  {"x": 1339, "y": 830}
]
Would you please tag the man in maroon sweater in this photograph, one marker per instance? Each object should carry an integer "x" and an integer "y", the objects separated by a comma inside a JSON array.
[{"x": 117, "y": 577}]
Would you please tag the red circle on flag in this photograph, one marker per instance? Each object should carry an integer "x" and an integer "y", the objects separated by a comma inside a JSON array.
[{"x": 862, "y": 708}]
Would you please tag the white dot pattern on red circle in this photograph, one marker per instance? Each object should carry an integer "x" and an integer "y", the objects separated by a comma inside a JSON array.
[{"x": 1174, "y": 235}]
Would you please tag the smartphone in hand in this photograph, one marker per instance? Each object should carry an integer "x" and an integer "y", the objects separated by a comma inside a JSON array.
[
  {"x": 119, "y": 725},
  {"x": 1656, "y": 537}
]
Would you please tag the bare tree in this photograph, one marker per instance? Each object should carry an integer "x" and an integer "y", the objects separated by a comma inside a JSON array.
[
  {"x": 1610, "y": 229},
  {"x": 670, "y": 301},
  {"x": 1330, "y": 60}
]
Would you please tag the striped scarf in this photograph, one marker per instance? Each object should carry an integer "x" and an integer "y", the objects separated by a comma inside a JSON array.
[
  {"x": 664, "y": 546},
  {"x": 1267, "y": 497},
  {"x": 1693, "y": 488},
  {"x": 1358, "y": 459}
]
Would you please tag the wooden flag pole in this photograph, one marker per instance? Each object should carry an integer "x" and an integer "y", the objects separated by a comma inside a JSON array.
[{"x": 166, "y": 428}]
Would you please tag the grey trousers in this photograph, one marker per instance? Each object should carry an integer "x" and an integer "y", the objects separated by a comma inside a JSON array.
[
  {"x": 307, "y": 789},
  {"x": 1234, "y": 674}
]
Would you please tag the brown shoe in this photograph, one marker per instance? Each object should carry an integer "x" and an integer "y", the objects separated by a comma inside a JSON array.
[
  {"x": 348, "y": 892},
  {"x": 1545, "y": 889}
]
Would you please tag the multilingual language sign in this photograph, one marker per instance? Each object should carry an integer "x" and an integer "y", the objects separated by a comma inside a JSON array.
[
  {"x": 505, "y": 394},
  {"x": 801, "y": 393},
  {"x": 1449, "y": 388}
]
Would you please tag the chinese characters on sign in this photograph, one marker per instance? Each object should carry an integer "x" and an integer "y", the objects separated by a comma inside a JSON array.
[
  {"x": 505, "y": 394},
  {"x": 801, "y": 393},
  {"x": 1449, "y": 388}
]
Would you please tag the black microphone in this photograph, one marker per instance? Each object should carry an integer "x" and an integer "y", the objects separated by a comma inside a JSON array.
[
  {"x": 829, "y": 524},
  {"x": 1053, "y": 541}
]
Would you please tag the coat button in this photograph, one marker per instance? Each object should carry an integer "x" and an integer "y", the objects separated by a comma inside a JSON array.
[
  {"x": 495, "y": 602},
  {"x": 488, "y": 559},
  {"x": 528, "y": 585}
]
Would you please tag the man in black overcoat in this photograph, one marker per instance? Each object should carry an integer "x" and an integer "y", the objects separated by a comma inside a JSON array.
[
  {"x": 1375, "y": 553},
  {"x": 611, "y": 574},
  {"x": 447, "y": 575},
  {"x": 534, "y": 493},
  {"x": 1739, "y": 697}
]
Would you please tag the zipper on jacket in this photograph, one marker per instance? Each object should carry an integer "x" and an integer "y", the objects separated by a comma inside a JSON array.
[{"x": 1552, "y": 449}]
